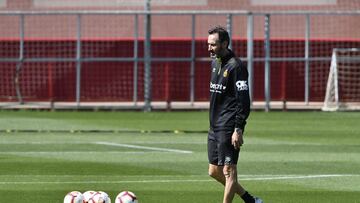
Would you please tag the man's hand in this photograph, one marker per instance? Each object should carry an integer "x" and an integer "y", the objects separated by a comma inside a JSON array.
[{"x": 237, "y": 139}]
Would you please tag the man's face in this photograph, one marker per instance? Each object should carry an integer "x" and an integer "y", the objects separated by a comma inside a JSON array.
[{"x": 215, "y": 48}]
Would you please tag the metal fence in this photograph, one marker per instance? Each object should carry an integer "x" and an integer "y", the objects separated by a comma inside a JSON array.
[{"x": 254, "y": 22}]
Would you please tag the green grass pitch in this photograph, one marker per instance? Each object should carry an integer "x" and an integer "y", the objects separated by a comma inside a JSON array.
[{"x": 299, "y": 157}]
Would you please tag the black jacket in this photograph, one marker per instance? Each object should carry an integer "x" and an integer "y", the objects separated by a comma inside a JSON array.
[{"x": 229, "y": 93}]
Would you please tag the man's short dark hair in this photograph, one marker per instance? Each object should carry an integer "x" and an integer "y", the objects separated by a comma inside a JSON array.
[{"x": 223, "y": 34}]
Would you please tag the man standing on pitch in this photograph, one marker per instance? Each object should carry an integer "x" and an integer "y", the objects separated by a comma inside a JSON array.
[{"x": 229, "y": 109}]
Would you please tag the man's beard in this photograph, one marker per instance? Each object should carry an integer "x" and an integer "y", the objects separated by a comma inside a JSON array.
[
  {"x": 218, "y": 53},
  {"x": 213, "y": 55}
]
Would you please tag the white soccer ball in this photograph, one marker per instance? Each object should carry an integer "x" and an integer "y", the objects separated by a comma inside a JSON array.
[
  {"x": 88, "y": 195},
  {"x": 126, "y": 197},
  {"x": 74, "y": 197},
  {"x": 103, "y": 196},
  {"x": 97, "y": 197}
]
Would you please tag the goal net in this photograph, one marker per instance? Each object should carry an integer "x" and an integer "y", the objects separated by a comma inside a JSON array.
[{"x": 343, "y": 86}]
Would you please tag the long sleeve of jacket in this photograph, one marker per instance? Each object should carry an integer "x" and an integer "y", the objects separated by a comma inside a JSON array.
[{"x": 242, "y": 95}]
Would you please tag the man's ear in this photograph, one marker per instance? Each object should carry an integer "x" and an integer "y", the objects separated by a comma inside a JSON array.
[{"x": 225, "y": 44}]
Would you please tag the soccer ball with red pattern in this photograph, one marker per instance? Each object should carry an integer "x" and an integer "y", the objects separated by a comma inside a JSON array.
[
  {"x": 96, "y": 197},
  {"x": 126, "y": 197},
  {"x": 74, "y": 197},
  {"x": 88, "y": 195}
]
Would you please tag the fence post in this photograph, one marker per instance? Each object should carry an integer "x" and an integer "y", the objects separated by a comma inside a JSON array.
[
  {"x": 136, "y": 60},
  {"x": 267, "y": 62},
  {"x": 147, "y": 58},
  {"x": 307, "y": 55},
  {"x": 229, "y": 28},
  {"x": 78, "y": 61},
  {"x": 193, "y": 58},
  {"x": 20, "y": 62},
  {"x": 250, "y": 52}
]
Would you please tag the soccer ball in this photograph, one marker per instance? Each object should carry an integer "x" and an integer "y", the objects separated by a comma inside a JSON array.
[
  {"x": 102, "y": 197},
  {"x": 74, "y": 197},
  {"x": 126, "y": 197},
  {"x": 96, "y": 197},
  {"x": 88, "y": 195}
]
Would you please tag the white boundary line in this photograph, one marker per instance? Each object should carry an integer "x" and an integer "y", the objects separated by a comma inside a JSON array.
[
  {"x": 288, "y": 177},
  {"x": 86, "y": 142},
  {"x": 143, "y": 147},
  {"x": 250, "y": 178},
  {"x": 79, "y": 152}
]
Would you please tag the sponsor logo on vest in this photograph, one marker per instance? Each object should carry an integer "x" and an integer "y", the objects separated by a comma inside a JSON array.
[
  {"x": 216, "y": 87},
  {"x": 225, "y": 73},
  {"x": 242, "y": 85}
]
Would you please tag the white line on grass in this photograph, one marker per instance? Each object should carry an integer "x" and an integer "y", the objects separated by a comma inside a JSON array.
[
  {"x": 85, "y": 142},
  {"x": 78, "y": 152},
  {"x": 288, "y": 177},
  {"x": 143, "y": 147},
  {"x": 42, "y": 142},
  {"x": 249, "y": 178}
]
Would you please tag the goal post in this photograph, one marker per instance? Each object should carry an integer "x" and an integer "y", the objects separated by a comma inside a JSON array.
[{"x": 343, "y": 85}]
